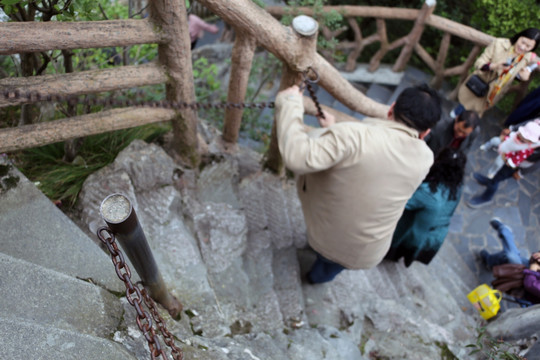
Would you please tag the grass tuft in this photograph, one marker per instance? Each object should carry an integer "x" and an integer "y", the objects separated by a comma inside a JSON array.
[{"x": 62, "y": 181}]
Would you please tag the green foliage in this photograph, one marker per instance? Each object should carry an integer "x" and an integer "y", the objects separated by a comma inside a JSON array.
[
  {"x": 331, "y": 19},
  {"x": 505, "y": 18},
  {"x": 206, "y": 81},
  {"x": 61, "y": 180},
  {"x": 491, "y": 348}
]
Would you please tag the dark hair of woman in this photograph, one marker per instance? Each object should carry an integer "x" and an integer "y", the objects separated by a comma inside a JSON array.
[
  {"x": 448, "y": 170},
  {"x": 530, "y": 33}
]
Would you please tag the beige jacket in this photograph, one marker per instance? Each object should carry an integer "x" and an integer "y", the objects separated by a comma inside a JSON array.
[
  {"x": 498, "y": 51},
  {"x": 354, "y": 181}
]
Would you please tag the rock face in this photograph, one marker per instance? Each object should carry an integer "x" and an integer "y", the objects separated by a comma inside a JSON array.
[{"x": 231, "y": 248}]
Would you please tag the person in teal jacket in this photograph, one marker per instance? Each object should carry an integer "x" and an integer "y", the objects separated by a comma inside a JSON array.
[{"x": 424, "y": 224}]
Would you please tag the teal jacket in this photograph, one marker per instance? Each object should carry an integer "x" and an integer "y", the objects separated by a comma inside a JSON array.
[{"x": 424, "y": 225}]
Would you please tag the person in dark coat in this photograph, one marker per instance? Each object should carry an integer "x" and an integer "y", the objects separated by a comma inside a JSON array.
[
  {"x": 527, "y": 109},
  {"x": 456, "y": 134},
  {"x": 423, "y": 226}
]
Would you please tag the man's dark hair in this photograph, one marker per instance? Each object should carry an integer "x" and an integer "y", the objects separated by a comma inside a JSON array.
[
  {"x": 447, "y": 170},
  {"x": 418, "y": 107},
  {"x": 530, "y": 33},
  {"x": 470, "y": 118}
]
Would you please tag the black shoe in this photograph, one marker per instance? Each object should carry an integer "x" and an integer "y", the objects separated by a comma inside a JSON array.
[{"x": 478, "y": 201}]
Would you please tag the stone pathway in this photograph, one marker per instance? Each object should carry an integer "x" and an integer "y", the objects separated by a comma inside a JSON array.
[{"x": 515, "y": 203}]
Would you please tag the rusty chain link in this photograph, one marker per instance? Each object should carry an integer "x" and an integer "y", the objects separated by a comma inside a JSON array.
[
  {"x": 72, "y": 100},
  {"x": 309, "y": 84},
  {"x": 144, "y": 319}
]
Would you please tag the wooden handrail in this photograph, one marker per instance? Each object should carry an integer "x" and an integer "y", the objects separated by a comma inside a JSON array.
[
  {"x": 85, "y": 82},
  {"x": 19, "y": 37},
  {"x": 169, "y": 29},
  {"x": 27, "y": 136},
  {"x": 247, "y": 17},
  {"x": 378, "y": 12}
]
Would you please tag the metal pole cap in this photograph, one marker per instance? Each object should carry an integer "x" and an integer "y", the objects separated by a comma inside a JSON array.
[
  {"x": 115, "y": 208},
  {"x": 305, "y": 25}
]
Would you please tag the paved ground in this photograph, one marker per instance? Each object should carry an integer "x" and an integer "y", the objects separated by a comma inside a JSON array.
[{"x": 516, "y": 203}]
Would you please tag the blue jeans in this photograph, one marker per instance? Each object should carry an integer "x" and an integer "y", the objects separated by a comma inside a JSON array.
[
  {"x": 510, "y": 253},
  {"x": 324, "y": 270}
]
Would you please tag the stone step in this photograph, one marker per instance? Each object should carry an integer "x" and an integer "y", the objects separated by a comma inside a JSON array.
[
  {"x": 411, "y": 77},
  {"x": 379, "y": 93},
  {"x": 35, "y": 230},
  {"x": 22, "y": 339},
  {"x": 454, "y": 272},
  {"x": 42, "y": 296}
]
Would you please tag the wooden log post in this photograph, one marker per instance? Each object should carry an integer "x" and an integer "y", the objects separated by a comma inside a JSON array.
[
  {"x": 170, "y": 17},
  {"x": 414, "y": 36},
  {"x": 306, "y": 29},
  {"x": 241, "y": 60},
  {"x": 439, "y": 65}
]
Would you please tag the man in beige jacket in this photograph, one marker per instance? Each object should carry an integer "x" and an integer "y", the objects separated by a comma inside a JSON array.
[{"x": 354, "y": 178}]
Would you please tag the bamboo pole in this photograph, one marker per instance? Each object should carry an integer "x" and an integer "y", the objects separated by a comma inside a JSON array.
[
  {"x": 28, "y": 37},
  {"x": 241, "y": 60},
  {"x": 171, "y": 19},
  {"x": 44, "y": 133},
  {"x": 83, "y": 82}
]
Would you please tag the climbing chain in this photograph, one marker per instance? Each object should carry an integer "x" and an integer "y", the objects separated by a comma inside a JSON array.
[
  {"x": 135, "y": 296},
  {"x": 308, "y": 82},
  {"x": 112, "y": 101}
]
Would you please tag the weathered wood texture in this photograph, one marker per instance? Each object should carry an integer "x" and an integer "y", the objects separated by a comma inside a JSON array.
[
  {"x": 84, "y": 82},
  {"x": 409, "y": 42},
  {"x": 413, "y": 37},
  {"x": 27, "y": 37},
  {"x": 241, "y": 60},
  {"x": 438, "y": 22},
  {"x": 44, "y": 133},
  {"x": 247, "y": 17},
  {"x": 175, "y": 54}
]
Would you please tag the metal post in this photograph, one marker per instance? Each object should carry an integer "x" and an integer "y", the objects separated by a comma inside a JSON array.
[{"x": 117, "y": 211}]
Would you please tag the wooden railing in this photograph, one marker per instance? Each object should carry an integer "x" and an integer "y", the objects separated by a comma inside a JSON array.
[{"x": 167, "y": 27}]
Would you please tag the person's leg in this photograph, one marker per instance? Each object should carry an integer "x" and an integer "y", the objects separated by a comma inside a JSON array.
[
  {"x": 491, "y": 143},
  {"x": 492, "y": 185},
  {"x": 494, "y": 259},
  {"x": 507, "y": 239},
  {"x": 323, "y": 270},
  {"x": 495, "y": 167}
]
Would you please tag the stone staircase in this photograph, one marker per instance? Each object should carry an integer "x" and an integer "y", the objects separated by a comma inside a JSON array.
[{"x": 230, "y": 243}]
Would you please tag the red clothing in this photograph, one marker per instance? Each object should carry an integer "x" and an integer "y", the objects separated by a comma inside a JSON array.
[
  {"x": 456, "y": 142},
  {"x": 517, "y": 157}
]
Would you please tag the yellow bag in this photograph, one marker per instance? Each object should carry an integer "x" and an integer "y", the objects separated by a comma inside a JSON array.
[{"x": 485, "y": 300}]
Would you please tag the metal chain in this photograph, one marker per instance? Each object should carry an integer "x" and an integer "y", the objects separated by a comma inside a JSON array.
[
  {"x": 309, "y": 84},
  {"x": 165, "y": 333},
  {"x": 144, "y": 320},
  {"x": 33, "y": 96}
]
